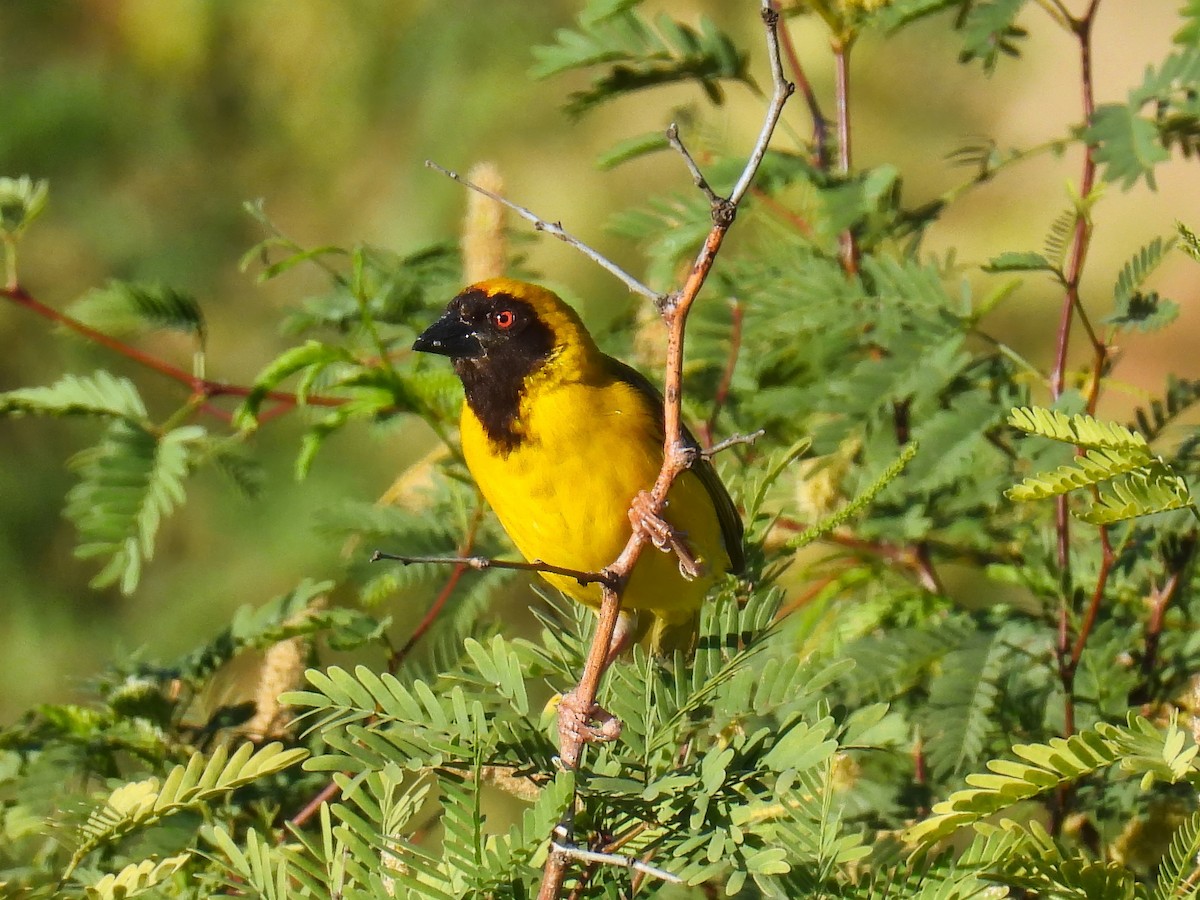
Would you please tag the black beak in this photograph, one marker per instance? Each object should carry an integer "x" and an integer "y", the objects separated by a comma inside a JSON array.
[{"x": 450, "y": 336}]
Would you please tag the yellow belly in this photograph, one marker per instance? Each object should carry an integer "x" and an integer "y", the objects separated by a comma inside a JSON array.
[{"x": 563, "y": 494}]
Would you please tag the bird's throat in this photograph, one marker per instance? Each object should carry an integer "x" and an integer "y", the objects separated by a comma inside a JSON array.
[{"x": 494, "y": 394}]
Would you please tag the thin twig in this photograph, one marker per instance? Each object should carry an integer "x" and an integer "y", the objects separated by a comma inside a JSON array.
[
  {"x": 480, "y": 563},
  {"x": 555, "y": 230},
  {"x": 698, "y": 178},
  {"x": 615, "y": 859},
  {"x": 734, "y": 441},
  {"x": 327, "y": 793},
  {"x": 722, "y": 395},
  {"x": 1160, "y": 599},
  {"x": 676, "y": 455}
]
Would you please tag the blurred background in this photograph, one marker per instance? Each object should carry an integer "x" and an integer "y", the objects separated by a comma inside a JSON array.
[{"x": 154, "y": 122}]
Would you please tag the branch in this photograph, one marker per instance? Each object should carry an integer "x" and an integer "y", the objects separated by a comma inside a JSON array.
[
  {"x": 200, "y": 387},
  {"x": 698, "y": 178},
  {"x": 614, "y": 859},
  {"x": 734, "y": 441},
  {"x": 480, "y": 563},
  {"x": 1070, "y": 652},
  {"x": 555, "y": 230},
  {"x": 676, "y": 454}
]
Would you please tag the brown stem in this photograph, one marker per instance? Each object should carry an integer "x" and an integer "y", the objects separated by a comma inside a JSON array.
[
  {"x": 327, "y": 793},
  {"x": 676, "y": 455},
  {"x": 1082, "y": 29},
  {"x": 200, "y": 387},
  {"x": 1160, "y": 599},
  {"x": 1069, "y": 652},
  {"x": 722, "y": 395}
]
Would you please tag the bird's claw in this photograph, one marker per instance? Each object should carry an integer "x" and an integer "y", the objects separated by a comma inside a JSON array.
[
  {"x": 575, "y": 722},
  {"x": 644, "y": 518}
]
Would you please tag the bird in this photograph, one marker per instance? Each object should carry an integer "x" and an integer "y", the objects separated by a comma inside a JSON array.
[{"x": 561, "y": 439}]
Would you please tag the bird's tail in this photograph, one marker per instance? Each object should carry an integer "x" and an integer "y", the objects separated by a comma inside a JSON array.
[{"x": 670, "y": 635}]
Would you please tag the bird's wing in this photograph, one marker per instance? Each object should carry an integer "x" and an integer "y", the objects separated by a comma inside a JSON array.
[{"x": 727, "y": 514}]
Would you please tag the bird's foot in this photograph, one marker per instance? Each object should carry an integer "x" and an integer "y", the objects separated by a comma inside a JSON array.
[
  {"x": 575, "y": 722},
  {"x": 644, "y": 517}
]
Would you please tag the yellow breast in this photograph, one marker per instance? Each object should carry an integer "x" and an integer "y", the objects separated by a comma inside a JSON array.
[{"x": 563, "y": 493}]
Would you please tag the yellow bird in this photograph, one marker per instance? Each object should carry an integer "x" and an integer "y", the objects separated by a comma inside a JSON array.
[{"x": 561, "y": 438}]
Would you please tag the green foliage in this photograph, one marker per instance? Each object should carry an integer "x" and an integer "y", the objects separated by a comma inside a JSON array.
[
  {"x": 989, "y": 30},
  {"x": 1134, "y": 309},
  {"x": 1139, "y": 484},
  {"x": 918, "y": 688},
  {"x": 127, "y": 484},
  {"x": 1130, "y": 144},
  {"x": 122, "y": 309},
  {"x": 139, "y": 804},
  {"x": 21, "y": 201},
  {"x": 639, "y": 54}
]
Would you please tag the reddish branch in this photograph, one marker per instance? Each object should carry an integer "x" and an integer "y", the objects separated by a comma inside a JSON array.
[
  {"x": 1080, "y": 241},
  {"x": 1070, "y": 651},
  {"x": 201, "y": 388},
  {"x": 1160, "y": 599}
]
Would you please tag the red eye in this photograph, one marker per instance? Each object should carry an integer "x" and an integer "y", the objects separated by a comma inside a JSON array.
[{"x": 504, "y": 319}]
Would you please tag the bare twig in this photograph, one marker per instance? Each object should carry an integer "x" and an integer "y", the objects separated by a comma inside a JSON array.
[
  {"x": 676, "y": 455},
  {"x": 326, "y": 794},
  {"x": 698, "y": 178},
  {"x": 480, "y": 563},
  {"x": 820, "y": 124},
  {"x": 615, "y": 859},
  {"x": 555, "y": 230},
  {"x": 734, "y": 441},
  {"x": 1160, "y": 599}
]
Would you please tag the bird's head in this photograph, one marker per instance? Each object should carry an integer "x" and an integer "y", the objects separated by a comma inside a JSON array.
[{"x": 503, "y": 327}]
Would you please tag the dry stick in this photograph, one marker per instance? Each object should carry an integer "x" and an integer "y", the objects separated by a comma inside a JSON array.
[
  {"x": 480, "y": 563},
  {"x": 555, "y": 230},
  {"x": 676, "y": 455},
  {"x": 736, "y": 441},
  {"x": 201, "y": 387}
]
